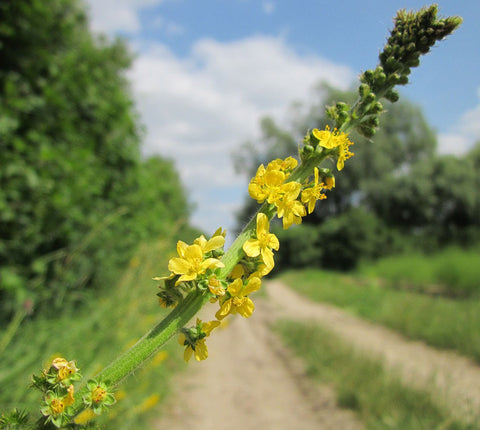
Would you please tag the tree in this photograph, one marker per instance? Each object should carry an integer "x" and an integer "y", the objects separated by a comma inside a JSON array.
[
  {"x": 437, "y": 199},
  {"x": 74, "y": 191}
]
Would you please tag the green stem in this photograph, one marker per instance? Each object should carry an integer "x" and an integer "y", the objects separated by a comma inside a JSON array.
[{"x": 149, "y": 344}]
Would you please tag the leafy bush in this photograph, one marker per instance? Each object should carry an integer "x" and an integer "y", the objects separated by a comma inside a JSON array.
[
  {"x": 75, "y": 196},
  {"x": 339, "y": 243}
]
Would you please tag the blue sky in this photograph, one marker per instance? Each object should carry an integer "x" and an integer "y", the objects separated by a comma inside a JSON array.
[{"x": 207, "y": 70}]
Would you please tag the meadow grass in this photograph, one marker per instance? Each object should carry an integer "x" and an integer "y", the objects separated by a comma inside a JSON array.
[
  {"x": 379, "y": 399},
  {"x": 439, "y": 321},
  {"x": 93, "y": 336},
  {"x": 452, "y": 272}
]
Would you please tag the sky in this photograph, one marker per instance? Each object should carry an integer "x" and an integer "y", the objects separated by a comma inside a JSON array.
[{"x": 206, "y": 71}]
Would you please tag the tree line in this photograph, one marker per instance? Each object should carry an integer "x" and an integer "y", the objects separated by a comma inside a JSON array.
[
  {"x": 396, "y": 194},
  {"x": 76, "y": 197}
]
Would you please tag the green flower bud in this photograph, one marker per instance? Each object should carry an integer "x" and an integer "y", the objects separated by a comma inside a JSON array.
[{"x": 392, "y": 96}]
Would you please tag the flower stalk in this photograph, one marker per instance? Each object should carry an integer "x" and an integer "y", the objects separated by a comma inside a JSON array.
[{"x": 203, "y": 272}]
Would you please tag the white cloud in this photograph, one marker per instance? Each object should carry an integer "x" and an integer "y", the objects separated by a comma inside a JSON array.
[
  {"x": 463, "y": 135},
  {"x": 453, "y": 143},
  {"x": 110, "y": 16},
  {"x": 198, "y": 108}
]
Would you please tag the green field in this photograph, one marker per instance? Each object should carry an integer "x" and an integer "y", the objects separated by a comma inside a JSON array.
[{"x": 439, "y": 320}]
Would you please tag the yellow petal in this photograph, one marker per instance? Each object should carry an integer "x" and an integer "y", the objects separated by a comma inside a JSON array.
[
  {"x": 181, "y": 339},
  {"x": 181, "y": 246},
  {"x": 209, "y": 326},
  {"x": 262, "y": 224},
  {"x": 193, "y": 253},
  {"x": 252, "y": 247},
  {"x": 273, "y": 242},
  {"x": 246, "y": 309},
  {"x": 237, "y": 272},
  {"x": 188, "y": 353},
  {"x": 212, "y": 263},
  {"x": 201, "y": 350},
  {"x": 224, "y": 310},
  {"x": 214, "y": 243},
  {"x": 201, "y": 241},
  {"x": 267, "y": 256},
  {"x": 179, "y": 266},
  {"x": 253, "y": 285},
  {"x": 235, "y": 287}
]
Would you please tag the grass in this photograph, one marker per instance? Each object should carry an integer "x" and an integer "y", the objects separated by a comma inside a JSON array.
[
  {"x": 93, "y": 336},
  {"x": 452, "y": 272},
  {"x": 380, "y": 400},
  {"x": 439, "y": 321}
]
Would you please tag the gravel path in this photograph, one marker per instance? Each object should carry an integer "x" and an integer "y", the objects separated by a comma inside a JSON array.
[{"x": 250, "y": 381}]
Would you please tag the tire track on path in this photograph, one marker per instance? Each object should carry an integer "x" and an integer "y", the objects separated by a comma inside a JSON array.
[{"x": 453, "y": 380}]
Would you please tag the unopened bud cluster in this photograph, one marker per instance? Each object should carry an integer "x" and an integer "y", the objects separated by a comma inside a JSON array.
[{"x": 413, "y": 35}]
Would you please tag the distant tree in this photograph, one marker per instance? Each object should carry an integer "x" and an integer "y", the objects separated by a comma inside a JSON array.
[
  {"x": 72, "y": 181},
  {"x": 438, "y": 199}
]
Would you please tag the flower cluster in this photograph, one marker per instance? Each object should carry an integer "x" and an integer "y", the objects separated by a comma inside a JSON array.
[
  {"x": 335, "y": 141},
  {"x": 291, "y": 199},
  {"x": 413, "y": 35},
  {"x": 196, "y": 265},
  {"x": 56, "y": 384}
]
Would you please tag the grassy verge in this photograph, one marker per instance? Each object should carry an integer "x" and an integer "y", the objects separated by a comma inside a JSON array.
[
  {"x": 452, "y": 272},
  {"x": 94, "y": 336},
  {"x": 379, "y": 399},
  {"x": 439, "y": 321}
]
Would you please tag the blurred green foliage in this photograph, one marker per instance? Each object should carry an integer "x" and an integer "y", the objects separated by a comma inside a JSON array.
[
  {"x": 75, "y": 195},
  {"x": 94, "y": 335},
  {"x": 452, "y": 272},
  {"x": 396, "y": 194}
]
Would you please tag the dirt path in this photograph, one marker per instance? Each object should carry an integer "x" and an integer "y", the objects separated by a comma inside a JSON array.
[
  {"x": 454, "y": 380},
  {"x": 251, "y": 381}
]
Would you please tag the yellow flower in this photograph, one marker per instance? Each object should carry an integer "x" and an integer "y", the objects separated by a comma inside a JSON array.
[
  {"x": 331, "y": 140},
  {"x": 266, "y": 184},
  {"x": 238, "y": 301},
  {"x": 191, "y": 263},
  {"x": 195, "y": 342},
  {"x": 69, "y": 399},
  {"x": 312, "y": 194},
  {"x": 264, "y": 242},
  {"x": 237, "y": 272},
  {"x": 215, "y": 286},
  {"x": 286, "y": 165},
  {"x": 329, "y": 182},
  {"x": 217, "y": 241},
  {"x": 65, "y": 368},
  {"x": 57, "y": 406},
  {"x": 288, "y": 207},
  {"x": 344, "y": 154},
  {"x": 262, "y": 270}
]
